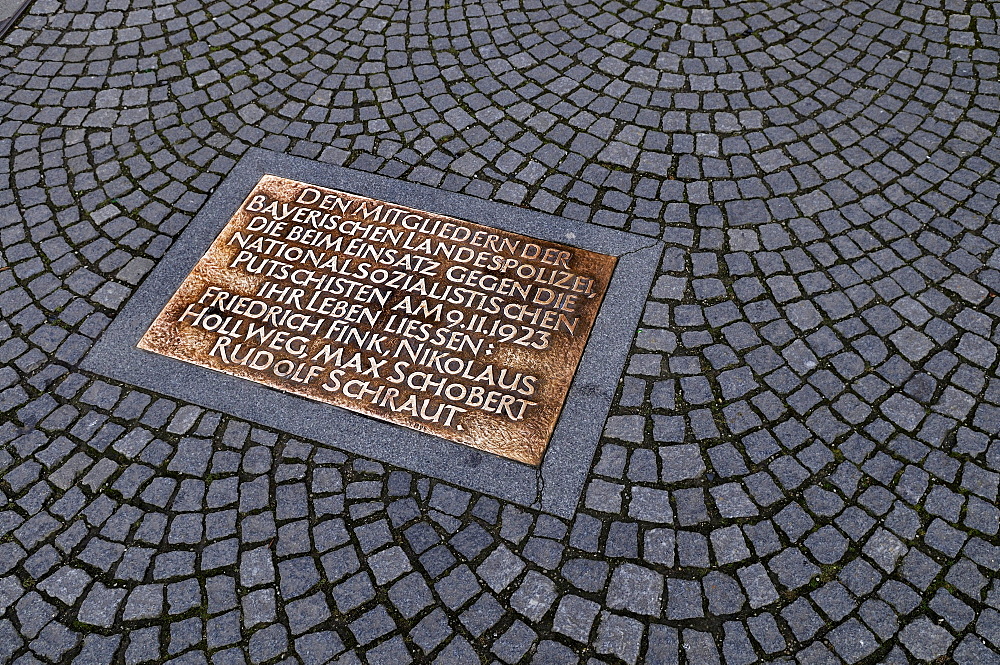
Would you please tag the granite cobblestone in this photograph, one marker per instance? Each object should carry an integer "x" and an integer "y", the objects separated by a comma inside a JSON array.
[{"x": 801, "y": 463}]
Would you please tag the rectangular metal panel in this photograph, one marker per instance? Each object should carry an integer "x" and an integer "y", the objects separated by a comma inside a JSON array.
[{"x": 464, "y": 331}]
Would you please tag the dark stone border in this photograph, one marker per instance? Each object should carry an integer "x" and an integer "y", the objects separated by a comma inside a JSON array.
[
  {"x": 554, "y": 487},
  {"x": 8, "y": 24}
]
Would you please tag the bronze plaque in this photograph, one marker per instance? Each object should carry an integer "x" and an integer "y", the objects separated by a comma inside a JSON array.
[{"x": 445, "y": 326}]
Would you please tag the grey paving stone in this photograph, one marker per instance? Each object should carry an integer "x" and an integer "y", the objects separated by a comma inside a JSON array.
[
  {"x": 318, "y": 647},
  {"x": 184, "y": 634},
  {"x": 684, "y": 599},
  {"x": 944, "y": 538},
  {"x": 256, "y": 567},
  {"x": 792, "y": 568},
  {"x": 690, "y": 506},
  {"x": 700, "y": 646},
  {"x": 66, "y": 584},
  {"x": 729, "y": 545},
  {"x": 884, "y": 549},
  {"x": 619, "y": 636},
  {"x": 431, "y": 631},
  {"x": 482, "y": 615},
  {"x": 144, "y": 645},
  {"x": 967, "y": 578},
  {"x": 259, "y": 607},
  {"x": 306, "y": 613},
  {"x": 635, "y": 588},
  {"x": 100, "y": 605},
  {"x": 817, "y": 347},
  {"x": 514, "y": 643},
  {"x": 192, "y": 457},
  {"x": 760, "y": 591},
  {"x": 267, "y": 643},
  {"x": 534, "y": 596},
  {"x": 457, "y": 587},
  {"x": 550, "y": 653},
  {"x": 410, "y": 595},
  {"x": 500, "y": 568},
  {"x": 98, "y": 648},
  {"x": 297, "y": 576},
  {"x": 900, "y": 596},
  {"x": 681, "y": 462},
  {"x": 827, "y": 545},
  {"x": 372, "y": 625},
  {"x": 391, "y": 651},
  {"x": 449, "y": 500},
  {"x": 575, "y": 617},
  {"x": 926, "y": 640},
  {"x": 353, "y": 592},
  {"x": 852, "y": 641},
  {"x": 766, "y": 633},
  {"x": 692, "y": 549},
  {"x": 458, "y": 652},
  {"x": 604, "y": 496},
  {"x": 55, "y": 641},
  {"x": 649, "y": 504},
  {"x": 144, "y": 602}
]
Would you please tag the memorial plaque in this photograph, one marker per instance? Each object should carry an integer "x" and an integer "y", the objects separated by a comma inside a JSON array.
[{"x": 449, "y": 327}]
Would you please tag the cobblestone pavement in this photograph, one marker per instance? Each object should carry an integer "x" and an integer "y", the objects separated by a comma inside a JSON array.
[{"x": 802, "y": 462}]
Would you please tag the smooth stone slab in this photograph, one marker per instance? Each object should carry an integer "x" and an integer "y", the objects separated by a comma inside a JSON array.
[
  {"x": 10, "y": 11},
  {"x": 553, "y": 487},
  {"x": 451, "y": 328}
]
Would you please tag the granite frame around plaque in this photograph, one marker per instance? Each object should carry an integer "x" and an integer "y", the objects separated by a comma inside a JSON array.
[{"x": 554, "y": 486}]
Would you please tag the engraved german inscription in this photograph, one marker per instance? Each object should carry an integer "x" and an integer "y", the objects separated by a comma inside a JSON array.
[{"x": 445, "y": 326}]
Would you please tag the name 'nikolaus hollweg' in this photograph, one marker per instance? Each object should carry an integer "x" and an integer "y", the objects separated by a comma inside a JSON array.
[{"x": 371, "y": 371}]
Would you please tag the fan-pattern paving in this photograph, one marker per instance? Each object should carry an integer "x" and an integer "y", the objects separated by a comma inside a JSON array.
[{"x": 802, "y": 463}]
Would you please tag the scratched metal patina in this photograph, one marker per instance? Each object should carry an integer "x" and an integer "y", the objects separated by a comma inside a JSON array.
[{"x": 449, "y": 327}]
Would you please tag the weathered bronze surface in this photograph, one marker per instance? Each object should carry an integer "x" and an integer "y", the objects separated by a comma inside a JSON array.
[{"x": 448, "y": 327}]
